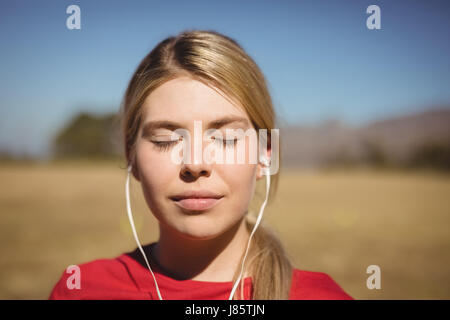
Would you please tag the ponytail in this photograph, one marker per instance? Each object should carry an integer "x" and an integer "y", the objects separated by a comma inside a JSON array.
[{"x": 269, "y": 265}]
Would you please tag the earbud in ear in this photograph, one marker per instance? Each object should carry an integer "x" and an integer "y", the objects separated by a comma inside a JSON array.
[
  {"x": 129, "y": 168},
  {"x": 266, "y": 162}
]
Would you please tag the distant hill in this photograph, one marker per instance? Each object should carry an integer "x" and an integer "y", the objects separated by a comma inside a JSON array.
[
  {"x": 416, "y": 139},
  {"x": 400, "y": 140}
]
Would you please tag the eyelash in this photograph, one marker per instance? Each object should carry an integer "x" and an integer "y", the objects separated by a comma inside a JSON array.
[{"x": 165, "y": 145}]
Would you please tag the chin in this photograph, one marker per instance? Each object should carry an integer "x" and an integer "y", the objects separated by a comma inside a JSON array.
[
  {"x": 199, "y": 229},
  {"x": 198, "y": 234}
]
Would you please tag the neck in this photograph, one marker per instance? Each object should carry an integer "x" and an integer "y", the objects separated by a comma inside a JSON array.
[{"x": 214, "y": 259}]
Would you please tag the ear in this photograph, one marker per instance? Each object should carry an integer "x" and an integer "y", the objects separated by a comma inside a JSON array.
[
  {"x": 135, "y": 169},
  {"x": 135, "y": 172}
]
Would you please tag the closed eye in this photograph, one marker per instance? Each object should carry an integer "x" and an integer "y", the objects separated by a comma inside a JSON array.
[
  {"x": 226, "y": 142},
  {"x": 164, "y": 145}
]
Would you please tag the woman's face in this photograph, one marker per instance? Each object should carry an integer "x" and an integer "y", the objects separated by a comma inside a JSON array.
[{"x": 182, "y": 101}]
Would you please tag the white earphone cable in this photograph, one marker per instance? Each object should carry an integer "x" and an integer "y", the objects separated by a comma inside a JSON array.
[
  {"x": 130, "y": 217},
  {"x": 258, "y": 220}
]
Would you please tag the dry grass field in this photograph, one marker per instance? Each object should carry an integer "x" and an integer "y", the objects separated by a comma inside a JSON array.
[{"x": 338, "y": 222}]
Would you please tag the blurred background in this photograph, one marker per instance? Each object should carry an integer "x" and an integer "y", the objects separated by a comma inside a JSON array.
[{"x": 364, "y": 118}]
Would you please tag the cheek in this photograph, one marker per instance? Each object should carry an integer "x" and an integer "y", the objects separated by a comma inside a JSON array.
[
  {"x": 155, "y": 168},
  {"x": 243, "y": 177},
  {"x": 241, "y": 181}
]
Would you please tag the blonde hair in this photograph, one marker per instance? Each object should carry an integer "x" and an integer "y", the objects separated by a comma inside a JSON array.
[{"x": 219, "y": 62}]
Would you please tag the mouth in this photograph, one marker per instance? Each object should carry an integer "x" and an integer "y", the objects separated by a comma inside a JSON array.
[
  {"x": 197, "y": 204},
  {"x": 197, "y": 201}
]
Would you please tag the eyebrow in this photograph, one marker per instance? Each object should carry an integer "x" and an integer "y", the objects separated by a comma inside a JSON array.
[{"x": 215, "y": 124}]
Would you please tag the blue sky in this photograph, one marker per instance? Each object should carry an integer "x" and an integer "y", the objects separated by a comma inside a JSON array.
[{"x": 319, "y": 58}]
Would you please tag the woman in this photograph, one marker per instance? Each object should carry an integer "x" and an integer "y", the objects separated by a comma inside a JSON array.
[{"x": 210, "y": 245}]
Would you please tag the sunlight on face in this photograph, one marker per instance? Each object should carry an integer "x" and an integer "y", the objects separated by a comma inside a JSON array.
[{"x": 182, "y": 101}]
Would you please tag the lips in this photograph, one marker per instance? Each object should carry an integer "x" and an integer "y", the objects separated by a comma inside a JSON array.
[{"x": 197, "y": 200}]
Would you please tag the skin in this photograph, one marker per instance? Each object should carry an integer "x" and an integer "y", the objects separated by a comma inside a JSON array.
[{"x": 206, "y": 245}]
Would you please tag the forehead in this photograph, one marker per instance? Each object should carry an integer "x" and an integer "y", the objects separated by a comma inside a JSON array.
[{"x": 185, "y": 99}]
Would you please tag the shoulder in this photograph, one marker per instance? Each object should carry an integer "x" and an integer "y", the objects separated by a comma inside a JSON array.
[
  {"x": 97, "y": 279},
  {"x": 311, "y": 285}
]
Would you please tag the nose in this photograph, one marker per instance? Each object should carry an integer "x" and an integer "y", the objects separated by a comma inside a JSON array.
[
  {"x": 191, "y": 172},
  {"x": 198, "y": 166}
]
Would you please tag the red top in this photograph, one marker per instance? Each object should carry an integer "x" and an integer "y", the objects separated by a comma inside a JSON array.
[{"x": 126, "y": 277}]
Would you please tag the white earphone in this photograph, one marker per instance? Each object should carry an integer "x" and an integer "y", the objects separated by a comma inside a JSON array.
[
  {"x": 264, "y": 160},
  {"x": 130, "y": 217}
]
